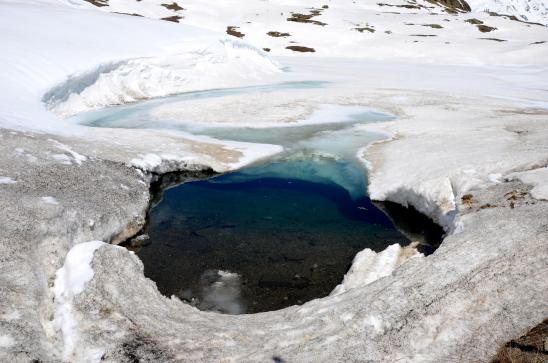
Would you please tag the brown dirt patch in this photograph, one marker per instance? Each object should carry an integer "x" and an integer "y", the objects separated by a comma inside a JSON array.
[
  {"x": 276, "y": 34},
  {"x": 495, "y": 39},
  {"x": 173, "y": 6},
  {"x": 485, "y": 28},
  {"x": 232, "y": 30},
  {"x": 98, "y": 3},
  {"x": 307, "y": 18},
  {"x": 299, "y": 48},
  {"x": 473, "y": 21},
  {"x": 174, "y": 18},
  {"x": 529, "y": 348},
  {"x": 452, "y": 6},
  {"x": 363, "y": 29}
]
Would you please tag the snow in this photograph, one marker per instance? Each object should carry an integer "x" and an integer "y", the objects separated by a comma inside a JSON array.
[
  {"x": 50, "y": 200},
  {"x": 369, "y": 266},
  {"x": 14, "y": 315},
  {"x": 7, "y": 180},
  {"x": 69, "y": 282},
  {"x": 527, "y": 10},
  {"x": 538, "y": 178},
  {"x": 221, "y": 64},
  {"x": 77, "y": 158},
  {"x": 6, "y": 341},
  {"x": 395, "y": 28},
  {"x": 248, "y": 153}
]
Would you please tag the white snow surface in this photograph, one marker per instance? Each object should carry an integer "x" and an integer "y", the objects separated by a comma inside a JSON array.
[
  {"x": 538, "y": 178},
  {"x": 6, "y": 341},
  {"x": 50, "y": 200},
  {"x": 222, "y": 63},
  {"x": 369, "y": 266},
  {"x": 527, "y": 10},
  {"x": 69, "y": 282}
]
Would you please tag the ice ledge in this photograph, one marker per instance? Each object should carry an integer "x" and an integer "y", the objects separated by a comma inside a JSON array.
[
  {"x": 369, "y": 266},
  {"x": 220, "y": 64}
]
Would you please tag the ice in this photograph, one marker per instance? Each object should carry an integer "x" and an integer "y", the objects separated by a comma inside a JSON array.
[
  {"x": 538, "y": 178},
  {"x": 76, "y": 157},
  {"x": 369, "y": 266},
  {"x": 6, "y": 341}
]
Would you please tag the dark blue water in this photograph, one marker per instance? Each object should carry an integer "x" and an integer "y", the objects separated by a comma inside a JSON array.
[{"x": 289, "y": 240}]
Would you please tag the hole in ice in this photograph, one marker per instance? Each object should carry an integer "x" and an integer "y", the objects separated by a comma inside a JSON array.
[{"x": 264, "y": 238}]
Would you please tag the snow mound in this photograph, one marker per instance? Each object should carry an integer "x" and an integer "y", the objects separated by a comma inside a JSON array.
[
  {"x": 69, "y": 282},
  {"x": 224, "y": 63},
  {"x": 369, "y": 266}
]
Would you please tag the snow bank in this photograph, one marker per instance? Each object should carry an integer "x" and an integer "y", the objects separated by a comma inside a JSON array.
[
  {"x": 69, "y": 282},
  {"x": 122, "y": 60},
  {"x": 224, "y": 63},
  {"x": 369, "y": 266},
  {"x": 70, "y": 69}
]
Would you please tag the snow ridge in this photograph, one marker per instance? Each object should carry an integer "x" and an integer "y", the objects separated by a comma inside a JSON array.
[{"x": 222, "y": 64}]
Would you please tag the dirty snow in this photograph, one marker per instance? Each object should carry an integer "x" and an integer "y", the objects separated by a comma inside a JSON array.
[{"x": 538, "y": 178}]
